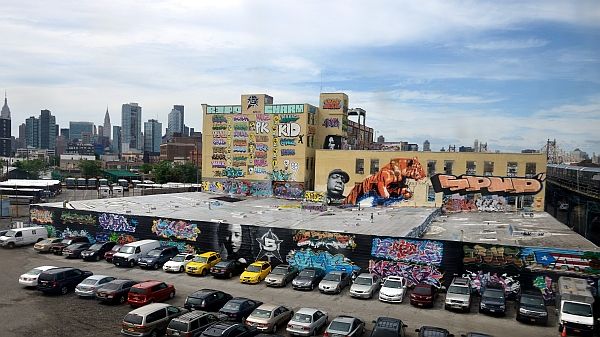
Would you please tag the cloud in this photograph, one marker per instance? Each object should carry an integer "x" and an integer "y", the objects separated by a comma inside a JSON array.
[{"x": 508, "y": 44}]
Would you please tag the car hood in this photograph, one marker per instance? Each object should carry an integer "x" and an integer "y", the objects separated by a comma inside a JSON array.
[
  {"x": 328, "y": 283},
  {"x": 532, "y": 308},
  {"x": 493, "y": 302},
  {"x": 577, "y": 319},
  {"x": 173, "y": 264},
  {"x": 196, "y": 264},
  {"x": 276, "y": 277},
  {"x": 392, "y": 291},
  {"x": 250, "y": 274},
  {"x": 303, "y": 279},
  {"x": 258, "y": 319},
  {"x": 148, "y": 259},
  {"x": 457, "y": 297},
  {"x": 360, "y": 287}
]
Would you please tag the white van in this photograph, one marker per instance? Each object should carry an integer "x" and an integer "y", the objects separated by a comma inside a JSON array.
[
  {"x": 23, "y": 236},
  {"x": 103, "y": 192},
  {"x": 129, "y": 253},
  {"x": 117, "y": 191}
]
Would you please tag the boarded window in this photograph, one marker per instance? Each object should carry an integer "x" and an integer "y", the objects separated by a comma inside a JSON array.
[
  {"x": 530, "y": 170},
  {"x": 430, "y": 168},
  {"x": 374, "y": 166},
  {"x": 360, "y": 166},
  {"x": 488, "y": 168},
  {"x": 471, "y": 168}
]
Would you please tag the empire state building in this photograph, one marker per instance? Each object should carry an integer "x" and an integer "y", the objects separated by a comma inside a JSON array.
[{"x": 5, "y": 135}]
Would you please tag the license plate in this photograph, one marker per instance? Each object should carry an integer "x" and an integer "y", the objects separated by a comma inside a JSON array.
[
  {"x": 576, "y": 330},
  {"x": 492, "y": 310},
  {"x": 130, "y": 329},
  {"x": 532, "y": 319}
]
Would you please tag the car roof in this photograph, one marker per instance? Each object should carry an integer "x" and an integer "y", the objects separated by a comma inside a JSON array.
[
  {"x": 203, "y": 292},
  {"x": 424, "y": 285},
  {"x": 394, "y": 278},
  {"x": 240, "y": 299},
  {"x": 283, "y": 266},
  {"x": 148, "y": 283},
  {"x": 120, "y": 281},
  {"x": 96, "y": 277},
  {"x": 259, "y": 263},
  {"x": 460, "y": 281},
  {"x": 44, "y": 268},
  {"x": 345, "y": 319},
  {"x": 184, "y": 254},
  {"x": 58, "y": 270},
  {"x": 495, "y": 290},
  {"x": 268, "y": 306},
  {"x": 532, "y": 293},
  {"x": 307, "y": 311},
  {"x": 191, "y": 315},
  {"x": 148, "y": 308},
  {"x": 366, "y": 275},
  {"x": 336, "y": 272},
  {"x": 207, "y": 254}
]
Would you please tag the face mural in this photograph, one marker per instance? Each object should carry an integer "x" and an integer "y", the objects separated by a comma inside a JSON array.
[
  {"x": 336, "y": 182},
  {"x": 389, "y": 185}
]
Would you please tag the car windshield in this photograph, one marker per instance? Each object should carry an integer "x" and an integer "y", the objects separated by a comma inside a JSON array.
[
  {"x": 96, "y": 246},
  {"x": 127, "y": 250},
  {"x": 279, "y": 271},
  {"x": 10, "y": 233},
  {"x": 66, "y": 241},
  {"x": 579, "y": 309},
  {"x": 332, "y": 277},
  {"x": 533, "y": 301},
  {"x": 179, "y": 258},
  {"x": 89, "y": 281},
  {"x": 458, "y": 290},
  {"x": 493, "y": 295},
  {"x": 422, "y": 291},
  {"x": 222, "y": 264},
  {"x": 154, "y": 253},
  {"x": 116, "y": 248},
  {"x": 133, "y": 319},
  {"x": 261, "y": 313},
  {"x": 304, "y": 318},
  {"x": 392, "y": 284},
  {"x": 307, "y": 273},
  {"x": 34, "y": 271},
  {"x": 75, "y": 246},
  {"x": 365, "y": 281},
  {"x": 200, "y": 259},
  {"x": 194, "y": 300},
  {"x": 137, "y": 290},
  {"x": 231, "y": 306},
  {"x": 253, "y": 269},
  {"x": 340, "y": 326}
]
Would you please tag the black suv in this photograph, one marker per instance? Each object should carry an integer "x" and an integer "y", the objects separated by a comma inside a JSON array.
[
  {"x": 493, "y": 301},
  {"x": 97, "y": 250},
  {"x": 388, "y": 327},
  {"x": 432, "y": 331},
  {"x": 57, "y": 248},
  {"x": 192, "y": 324},
  {"x": 532, "y": 308},
  {"x": 229, "y": 329},
  {"x": 207, "y": 300},
  {"x": 60, "y": 280},
  {"x": 157, "y": 257}
]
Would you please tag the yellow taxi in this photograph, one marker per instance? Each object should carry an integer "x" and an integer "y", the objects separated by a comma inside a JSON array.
[
  {"x": 256, "y": 272},
  {"x": 202, "y": 263}
]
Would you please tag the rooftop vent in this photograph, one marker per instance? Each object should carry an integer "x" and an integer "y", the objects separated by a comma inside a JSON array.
[{"x": 228, "y": 199}]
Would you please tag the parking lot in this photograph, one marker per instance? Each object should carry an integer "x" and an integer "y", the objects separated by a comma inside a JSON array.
[{"x": 26, "y": 312}]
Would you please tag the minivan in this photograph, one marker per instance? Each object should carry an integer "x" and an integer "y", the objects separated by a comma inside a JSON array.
[
  {"x": 23, "y": 236},
  {"x": 61, "y": 280},
  {"x": 129, "y": 253},
  {"x": 150, "y": 320},
  {"x": 193, "y": 323}
]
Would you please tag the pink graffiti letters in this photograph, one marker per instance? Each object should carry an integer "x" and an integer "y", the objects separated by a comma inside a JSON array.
[
  {"x": 116, "y": 223},
  {"x": 178, "y": 229},
  {"x": 486, "y": 185},
  {"x": 417, "y": 251},
  {"x": 414, "y": 274}
]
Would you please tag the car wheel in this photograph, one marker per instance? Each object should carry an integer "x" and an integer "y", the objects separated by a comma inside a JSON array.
[
  {"x": 172, "y": 294},
  {"x": 338, "y": 290},
  {"x": 181, "y": 269},
  {"x": 11, "y": 245},
  {"x": 154, "y": 333},
  {"x": 121, "y": 299},
  {"x": 131, "y": 263},
  {"x": 229, "y": 275},
  {"x": 274, "y": 328},
  {"x": 204, "y": 272},
  {"x": 312, "y": 286},
  {"x": 98, "y": 257},
  {"x": 64, "y": 290},
  {"x": 371, "y": 295},
  {"x": 155, "y": 266}
]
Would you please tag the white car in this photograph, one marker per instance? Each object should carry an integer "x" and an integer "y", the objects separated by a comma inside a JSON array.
[
  {"x": 87, "y": 287},
  {"x": 30, "y": 278},
  {"x": 393, "y": 289},
  {"x": 178, "y": 262}
]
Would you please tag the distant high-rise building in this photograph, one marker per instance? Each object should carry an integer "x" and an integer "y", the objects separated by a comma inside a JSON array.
[
  {"x": 100, "y": 131},
  {"x": 381, "y": 139},
  {"x": 426, "y": 145},
  {"x": 65, "y": 133},
  {"x": 116, "y": 143},
  {"x": 176, "y": 120},
  {"x": 22, "y": 140},
  {"x": 32, "y": 132},
  {"x": 131, "y": 127},
  {"x": 5, "y": 131},
  {"x": 48, "y": 130},
  {"x": 76, "y": 129},
  {"x": 106, "y": 126},
  {"x": 152, "y": 136}
]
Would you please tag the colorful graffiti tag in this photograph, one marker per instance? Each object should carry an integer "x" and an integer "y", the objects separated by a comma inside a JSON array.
[
  {"x": 587, "y": 263},
  {"x": 492, "y": 255},
  {"x": 415, "y": 251},
  {"x": 116, "y": 223},
  {"x": 313, "y": 196},
  {"x": 465, "y": 184},
  {"x": 480, "y": 281},
  {"x": 288, "y": 189},
  {"x": 414, "y": 274},
  {"x": 477, "y": 202},
  {"x": 76, "y": 218},
  {"x": 178, "y": 229},
  {"x": 269, "y": 245},
  {"x": 67, "y": 232},
  {"x": 119, "y": 238},
  {"x": 40, "y": 216},
  {"x": 324, "y": 240},
  {"x": 183, "y": 247},
  {"x": 320, "y": 259},
  {"x": 545, "y": 285}
]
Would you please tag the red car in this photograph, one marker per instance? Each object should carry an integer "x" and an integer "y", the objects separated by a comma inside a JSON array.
[
  {"x": 149, "y": 292},
  {"x": 423, "y": 295},
  {"x": 109, "y": 255}
]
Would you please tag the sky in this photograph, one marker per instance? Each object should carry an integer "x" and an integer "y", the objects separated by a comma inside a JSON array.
[{"x": 509, "y": 73}]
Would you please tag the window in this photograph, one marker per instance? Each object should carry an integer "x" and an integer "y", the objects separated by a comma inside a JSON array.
[
  {"x": 448, "y": 164},
  {"x": 530, "y": 170},
  {"x": 488, "y": 168},
  {"x": 33, "y": 231},
  {"x": 360, "y": 166},
  {"x": 471, "y": 168},
  {"x": 19, "y": 234},
  {"x": 511, "y": 169},
  {"x": 195, "y": 324},
  {"x": 430, "y": 168},
  {"x": 374, "y": 166},
  {"x": 202, "y": 321},
  {"x": 172, "y": 310},
  {"x": 155, "y": 316}
]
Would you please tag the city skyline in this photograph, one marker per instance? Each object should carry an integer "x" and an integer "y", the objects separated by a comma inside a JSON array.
[{"x": 512, "y": 74}]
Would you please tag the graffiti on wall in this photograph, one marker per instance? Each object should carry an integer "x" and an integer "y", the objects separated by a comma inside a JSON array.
[
  {"x": 465, "y": 184},
  {"x": 480, "y": 281},
  {"x": 178, "y": 229},
  {"x": 389, "y": 185},
  {"x": 119, "y": 238},
  {"x": 40, "y": 216},
  {"x": 117, "y": 223},
  {"x": 76, "y": 218},
  {"x": 67, "y": 232},
  {"x": 240, "y": 187},
  {"x": 182, "y": 247},
  {"x": 320, "y": 259},
  {"x": 476, "y": 202},
  {"x": 269, "y": 245},
  {"x": 313, "y": 196},
  {"x": 415, "y": 251},
  {"x": 233, "y": 172},
  {"x": 324, "y": 240},
  {"x": 492, "y": 255},
  {"x": 52, "y": 233},
  {"x": 332, "y": 103},
  {"x": 546, "y": 287},
  {"x": 288, "y": 189},
  {"x": 331, "y": 122},
  {"x": 562, "y": 260},
  {"x": 413, "y": 273}
]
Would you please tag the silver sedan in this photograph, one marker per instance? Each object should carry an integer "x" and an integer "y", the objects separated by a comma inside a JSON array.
[{"x": 307, "y": 322}]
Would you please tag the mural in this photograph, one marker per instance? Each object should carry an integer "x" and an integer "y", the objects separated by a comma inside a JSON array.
[
  {"x": 119, "y": 238},
  {"x": 320, "y": 259},
  {"x": 181, "y": 246},
  {"x": 116, "y": 223},
  {"x": 553, "y": 259},
  {"x": 336, "y": 183},
  {"x": 76, "y": 218},
  {"x": 465, "y": 184},
  {"x": 323, "y": 240},
  {"x": 288, "y": 189},
  {"x": 239, "y": 187},
  {"x": 333, "y": 142},
  {"x": 413, "y": 273},
  {"x": 476, "y": 202},
  {"x": 269, "y": 245},
  {"x": 40, "y": 216},
  {"x": 492, "y": 255},
  {"x": 67, "y": 232},
  {"x": 388, "y": 186},
  {"x": 178, "y": 229},
  {"x": 52, "y": 232},
  {"x": 313, "y": 196},
  {"x": 480, "y": 281},
  {"x": 416, "y": 251},
  {"x": 546, "y": 287}
]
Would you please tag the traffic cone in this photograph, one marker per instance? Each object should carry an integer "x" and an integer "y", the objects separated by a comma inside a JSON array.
[{"x": 564, "y": 332}]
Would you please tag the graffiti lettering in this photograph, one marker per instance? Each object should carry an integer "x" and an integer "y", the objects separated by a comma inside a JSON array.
[
  {"x": 178, "y": 229},
  {"x": 263, "y": 117},
  {"x": 313, "y": 196},
  {"x": 261, "y": 163},
  {"x": 417, "y": 251},
  {"x": 289, "y": 118},
  {"x": 75, "y": 218},
  {"x": 287, "y": 141},
  {"x": 486, "y": 185},
  {"x": 327, "y": 240},
  {"x": 288, "y": 130},
  {"x": 492, "y": 255},
  {"x": 219, "y": 127},
  {"x": 262, "y": 138},
  {"x": 240, "y": 118},
  {"x": 232, "y": 172},
  {"x": 413, "y": 273},
  {"x": 182, "y": 247},
  {"x": 219, "y": 133},
  {"x": 116, "y": 223},
  {"x": 288, "y": 190},
  {"x": 318, "y": 208},
  {"x": 240, "y": 134},
  {"x": 331, "y": 123},
  {"x": 240, "y": 126},
  {"x": 218, "y": 119},
  {"x": 262, "y": 147},
  {"x": 218, "y": 164},
  {"x": 218, "y": 156},
  {"x": 219, "y": 142},
  {"x": 332, "y": 103},
  {"x": 288, "y": 152},
  {"x": 320, "y": 259},
  {"x": 219, "y": 150},
  {"x": 480, "y": 281},
  {"x": 40, "y": 216},
  {"x": 262, "y": 127},
  {"x": 260, "y": 170},
  {"x": 280, "y": 175}
]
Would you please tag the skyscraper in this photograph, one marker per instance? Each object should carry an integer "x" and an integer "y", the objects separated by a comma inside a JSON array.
[
  {"x": 32, "y": 132},
  {"x": 5, "y": 133},
  {"x": 131, "y": 127},
  {"x": 48, "y": 130},
  {"x": 106, "y": 125},
  {"x": 76, "y": 129},
  {"x": 152, "y": 136},
  {"x": 176, "y": 120},
  {"x": 116, "y": 143},
  {"x": 426, "y": 145}
]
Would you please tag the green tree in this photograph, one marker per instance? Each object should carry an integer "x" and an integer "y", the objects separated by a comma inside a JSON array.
[
  {"x": 90, "y": 168},
  {"x": 146, "y": 168},
  {"x": 185, "y": 173},
  {"x": 32, "y": 167},
  {"x": 163, "y": 172}
]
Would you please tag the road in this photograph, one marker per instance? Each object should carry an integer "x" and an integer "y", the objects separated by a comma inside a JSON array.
[{"x": 26, "y": 312}]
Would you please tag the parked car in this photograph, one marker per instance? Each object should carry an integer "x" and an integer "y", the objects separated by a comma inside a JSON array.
[
  {"x": 150, "y": 320},
  {"x": 97, "y": 250},
  {"x": 115, "y": 291},
  {"x": 228, "y": 268},
  {"x": 334, "y": 282},
  {"x": 230, "y": 329},
  {"x": 207, "y": 300},
  {"x": 108, "y": 256},
  {"x": 157, "y": 257},
  {"x": 178, "y": 262},
  {"x": 493, "y": 301},
  {"x": 365, "y": 285},
  {"x": 431, "y": 331},
  {"x": 192, "y": 324},
  {"x": 202, "y": 263},
  {"x": 532, "y": 308},
  {"x": 57, "y": 248},
  {"x": 238, "y": 308},
  {"x": 61, "y": 280},
  {"x": 269, "y": 317},
  {"x": 281, "y": 275},
  {"x": 475, "y": 334},
  {"x": 393, "y": 289},
  {"x": 308, "y": 278},
  {"x": 74, "y": 251},
  {"x": 423, "y": 295},
  {"x": 45, "y": 245},
  {"x": 256, "y": 272},
  {"x": 307, "y": 322},
  {"x": 347, "y": 326},
  {"x": 128, "y": 255},
  {"x": 458, "y": 295},
  {"x": 388, "y": 327},
  {"x": 30, "y": 278},
  {"x": 87, "y": 287},
  {"x": 150, "y": 291}
]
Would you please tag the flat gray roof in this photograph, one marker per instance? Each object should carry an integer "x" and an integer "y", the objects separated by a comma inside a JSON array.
[
  {"x": 264, "y": 212},
  {"x": 541, "y": 230}
]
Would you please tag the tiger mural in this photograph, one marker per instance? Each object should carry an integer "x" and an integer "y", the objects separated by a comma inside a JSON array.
[{"x": 389, "y": 182}]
